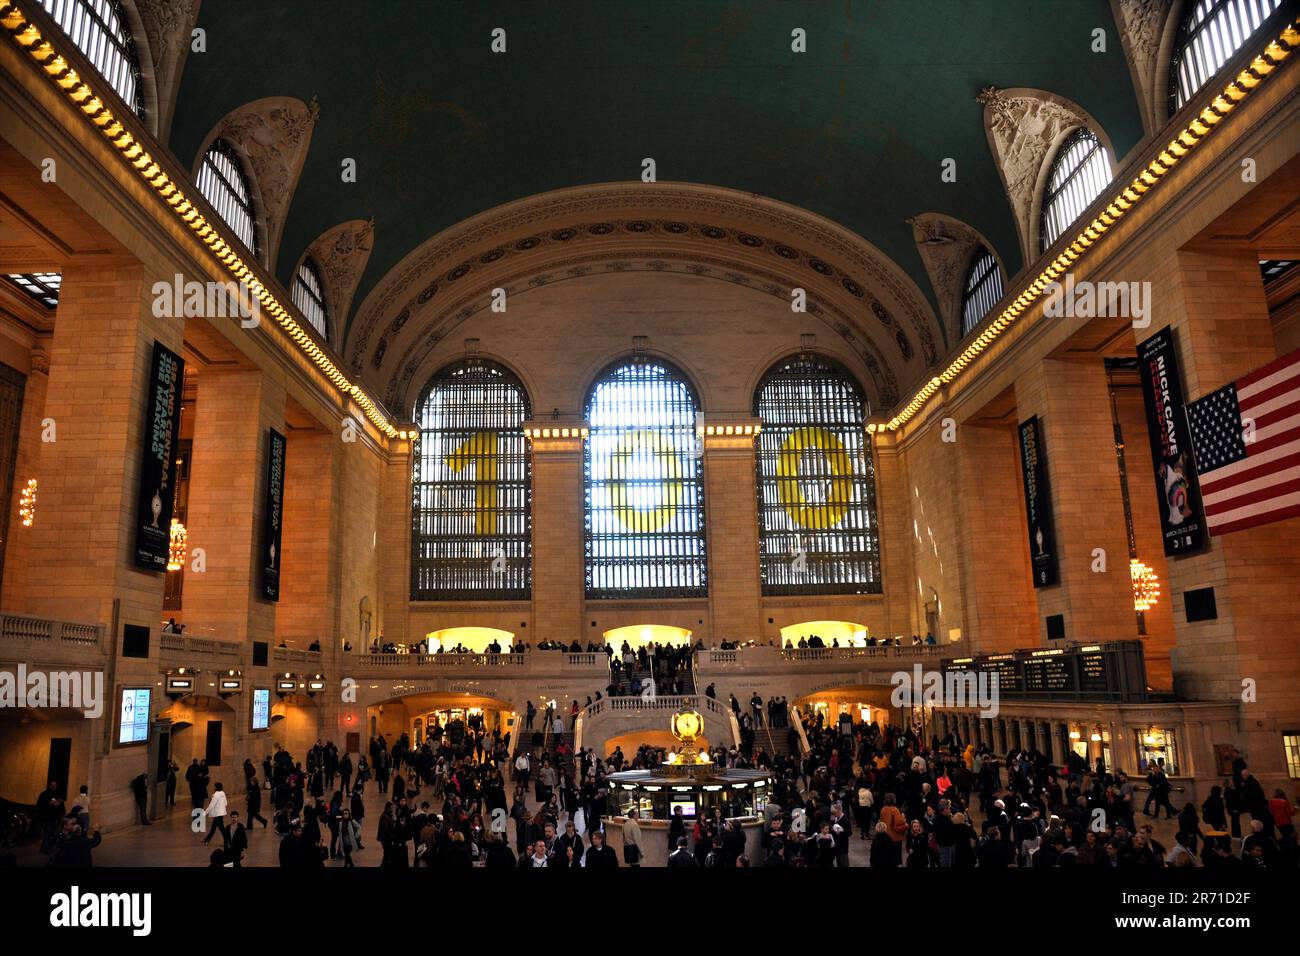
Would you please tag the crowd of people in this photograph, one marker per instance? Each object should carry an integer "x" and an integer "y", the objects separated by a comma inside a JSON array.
[{"x": 458, "y": 796}]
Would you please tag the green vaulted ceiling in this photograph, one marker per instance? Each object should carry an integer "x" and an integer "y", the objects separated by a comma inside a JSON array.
[{"x": 855, "y": 129}]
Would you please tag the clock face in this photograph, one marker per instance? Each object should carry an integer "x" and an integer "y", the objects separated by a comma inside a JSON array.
[{"x": 688, "y": 724}]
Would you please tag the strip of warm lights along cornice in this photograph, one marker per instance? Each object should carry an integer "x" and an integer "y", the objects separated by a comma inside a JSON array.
[
  {"x": 96, "y": 108},
  {"x": 1124, "y": 200}
]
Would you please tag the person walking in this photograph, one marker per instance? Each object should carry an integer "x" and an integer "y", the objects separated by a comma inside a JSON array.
[
  {"x": 216, "y": 814},
  {"x": 349, "y": 836},
  {"x": 254, "y": 803},
  {"x": 238, "y": 841}
]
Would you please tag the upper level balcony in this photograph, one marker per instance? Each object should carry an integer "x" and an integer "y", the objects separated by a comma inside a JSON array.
[
  {"x": 525, "y": 663},
  {"x": 38, "y": 641}
]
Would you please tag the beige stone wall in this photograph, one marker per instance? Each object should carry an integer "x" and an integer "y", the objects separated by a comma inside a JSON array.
[
  {"x": 1073, "y": 408},
  {"x": 1001, "y": 606},
  {"x": 933, "y": 531},
  {"x": 233, "y": 415}
]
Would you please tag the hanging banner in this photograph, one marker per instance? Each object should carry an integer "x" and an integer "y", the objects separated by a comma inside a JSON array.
[
  {"x": 1182, "y": 518},
  {"x": 162, "y": 435},
  {"x": 272, "y": 516},
  {"x": 1038, "y": 504}
]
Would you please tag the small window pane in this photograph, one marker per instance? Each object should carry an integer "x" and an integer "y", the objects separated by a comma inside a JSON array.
[
  {"x": 1211, "y": 33},
  {"x": 309, "y": 296},
  {"x": 98, "y": 28},
  {"x": 1080, "y": 171},
  {"x": 982, "y": 292},
  {"x": 224, "y": 185}
]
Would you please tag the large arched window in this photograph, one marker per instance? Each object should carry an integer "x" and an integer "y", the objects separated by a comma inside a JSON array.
[
  {"x": 1210, "y": 33},
  {"x": 98, "y": 28},
  {"x": 471, "y": 536},
  {"x": 1080, "y": 171},
  {"x": 982, "y": 290},
  {"x": 816, "y": 482},
  {"x": 224, "y": 184},
  {"x": 309, "y": 296},
  {"x": 644, "y": 487}
]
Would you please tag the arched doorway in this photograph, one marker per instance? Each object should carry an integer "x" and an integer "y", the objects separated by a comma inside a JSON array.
[
  {"x": 474, "y": 639},
  {"x": 640, "y": 635},
  {"x": 863, "y": 703},
  {"x": 203, "y": 728},
  {"x": 421, "y": 716},
  {"x": 831, "y": 633}
]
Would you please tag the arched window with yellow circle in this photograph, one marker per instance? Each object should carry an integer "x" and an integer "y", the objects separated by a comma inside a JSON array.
[
  {"x": 471, "y": 538},
  {"x": 644, "y": 484},
  {"x": 816, "y": 481}
]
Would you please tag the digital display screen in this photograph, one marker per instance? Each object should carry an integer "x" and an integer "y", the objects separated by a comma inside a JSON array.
[
  {"x": 688, "y": 807},
  {"x": 261, "y": 708},
  {"x": 133, "y": 716}
]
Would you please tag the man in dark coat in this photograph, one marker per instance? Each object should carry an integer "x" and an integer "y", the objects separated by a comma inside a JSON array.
[
  {"x": 238, "y": 840},
  {"x": 682, "y": 857},
  {"x": 599, "y": 856}
]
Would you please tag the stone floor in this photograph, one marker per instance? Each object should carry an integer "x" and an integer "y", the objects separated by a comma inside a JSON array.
[{"x": 170, "y": 841}]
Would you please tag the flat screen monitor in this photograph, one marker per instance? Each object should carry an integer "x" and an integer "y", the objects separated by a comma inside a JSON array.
[
  {"x": 261, "y": 708},
  {"x": 133, "y": 716},
  {"x": 688, "y": 807}
]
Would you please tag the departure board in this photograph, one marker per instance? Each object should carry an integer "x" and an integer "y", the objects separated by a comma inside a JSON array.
[{"x": 1114, "y": 671}]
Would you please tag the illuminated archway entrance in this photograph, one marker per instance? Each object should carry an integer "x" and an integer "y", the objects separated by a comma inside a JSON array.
[
  {"x": 432, "y": 716},
  {"x": 474, "y": 639},
  {"x": 639, "y": 635},
  {"x": 832, "y": 633},
  {"x": 863, "y": 703}
]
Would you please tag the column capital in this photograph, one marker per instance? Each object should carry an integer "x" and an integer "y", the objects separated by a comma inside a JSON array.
[{"x": 722, "y": 433}]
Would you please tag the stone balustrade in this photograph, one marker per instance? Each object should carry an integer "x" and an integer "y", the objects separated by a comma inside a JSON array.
[
  {"x": 209, "y": 648},
  {"x": 521, "y": 663},
  {"x": 15, "y": 627}
]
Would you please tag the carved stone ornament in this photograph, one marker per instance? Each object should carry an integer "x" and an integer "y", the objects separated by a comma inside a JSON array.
[
  {"x": 1022, "y": 127},
  {"x": 274, "y": 134},
  {"x": 341, "y": 254}
]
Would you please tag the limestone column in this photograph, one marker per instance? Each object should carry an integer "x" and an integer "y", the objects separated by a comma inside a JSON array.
[
  {"x": 395, "y": 540},
  {"x": 731, "y": 509},
  {"x": 80, "y": 549},
  {"x": 308, "y": 606},
  {"x": 558, "y": 578},
  {"x": 1058, "y": 750},
  {"x": 893, "y": 507},
  {"x": 1000, "y": 602},
  {"x": 1214, "y": 300},
  {"x": 1072, "y": 402},
  {"x": 1000, "y": 736},
  {"x": 26, "y": 466},
  {"x": 234, "y": 413}
]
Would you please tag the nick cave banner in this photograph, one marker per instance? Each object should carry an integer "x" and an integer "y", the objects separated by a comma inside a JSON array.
[
  {"x": 1182, "y": 520},
  {"x": 162, "y": 431},
  {"x": 1038, "y": 503},
  {"x": 272, "y": 516}
]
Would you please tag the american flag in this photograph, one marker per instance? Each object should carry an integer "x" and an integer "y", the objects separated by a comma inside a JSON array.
[{"x": 1247, "y": 441}]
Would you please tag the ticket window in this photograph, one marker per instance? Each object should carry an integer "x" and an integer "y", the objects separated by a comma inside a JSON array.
[
  {"x": 1157, "y": 744},
  {"x": 1079, "y": 740}
]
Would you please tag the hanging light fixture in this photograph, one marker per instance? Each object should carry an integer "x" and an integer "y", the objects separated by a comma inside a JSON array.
[
  {"x": 1146, "y": 586},
  {"x": 27, "y": 503},
  {"x": 176, "y": 549}
]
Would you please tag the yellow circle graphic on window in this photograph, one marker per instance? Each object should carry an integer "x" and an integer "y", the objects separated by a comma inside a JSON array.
[
  {"x": 643, "y": 456},
  {"x": 838, "y": 467}
]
